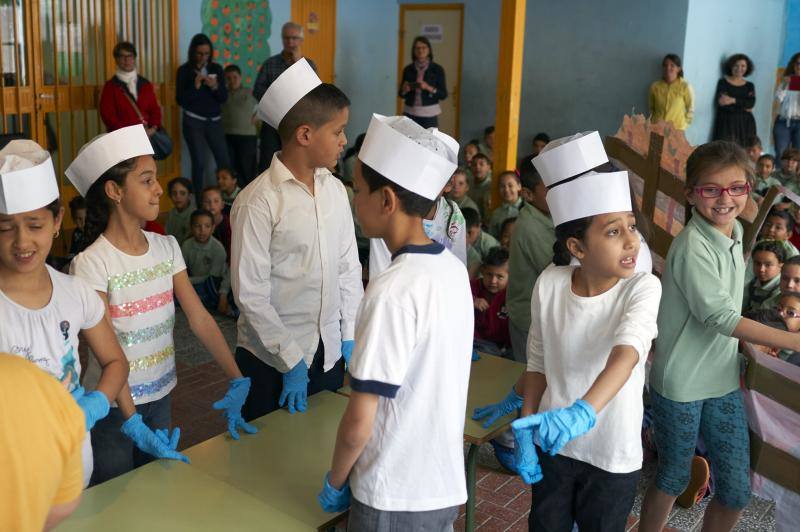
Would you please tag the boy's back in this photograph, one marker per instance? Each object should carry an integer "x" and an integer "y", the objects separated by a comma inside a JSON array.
[{"x": 414, "y": 341}]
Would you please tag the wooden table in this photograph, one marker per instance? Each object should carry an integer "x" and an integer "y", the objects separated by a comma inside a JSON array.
[
  {"x": 285, "y": 463},
  {"x": 166, "y": 495},
  {"x": 268, "y": 480},
  {"x": 490, "y": 380}
]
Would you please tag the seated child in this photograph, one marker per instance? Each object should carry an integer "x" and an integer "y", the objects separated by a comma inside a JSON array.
[
  {"x": 770, "y": 317},
  {"x": 205, "y": 261},
  {"x": 486, "y": 146},
  {"x": 180, "y": 192},
  {"x": 764, "y": 178},
  {"x": 479, "y": 242},
  {"x": 480, "y": 189},
  {"x": 789, "y": 309},
  {"x": 525, "y": 163},
  {"x": 228, "y": 183},
  {"x": 213, "y": 203},
  {"x": 510, "y": 187},
  {"x": 489, "y": 300},
  {"x": 77, "y": 208},
  {"x": 507, "y": 231},
  {"x": 470, "y": 150},
  {"x": 458, "y": 193},
  {"x": 764, "y": 290},
  {"x": 779, "y": 225},
  {"x": 787, "y": 174}
]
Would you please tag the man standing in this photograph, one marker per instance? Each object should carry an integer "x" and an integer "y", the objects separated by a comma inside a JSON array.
[{"x": 292, "y": 37}]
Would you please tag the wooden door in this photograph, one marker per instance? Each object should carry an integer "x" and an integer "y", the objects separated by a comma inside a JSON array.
[
  {"x": 443, "y": 25},
  {"x": 318, "y": 18}
]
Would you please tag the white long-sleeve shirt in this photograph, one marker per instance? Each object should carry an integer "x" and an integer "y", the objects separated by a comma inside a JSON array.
[
  {"x": 295, "y": 273},
  {"x": 569, "y": 342}
]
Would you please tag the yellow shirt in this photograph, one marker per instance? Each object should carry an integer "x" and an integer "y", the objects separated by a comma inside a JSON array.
[
  {"x": 672, "y": 102},
  {"x": 41, "y": 433}
]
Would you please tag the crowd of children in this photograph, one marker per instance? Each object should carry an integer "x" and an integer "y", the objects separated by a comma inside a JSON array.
[{"x": 558, "y": 276}]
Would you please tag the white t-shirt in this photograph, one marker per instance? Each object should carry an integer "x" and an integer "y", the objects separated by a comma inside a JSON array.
[
  {"x": 140, "y": 303},
  {"x": 570, "y": 340},
  {"x": 48, "y": 336},
  {"x": 448, "y": 228},
  {"x": 413, "y": 349}
]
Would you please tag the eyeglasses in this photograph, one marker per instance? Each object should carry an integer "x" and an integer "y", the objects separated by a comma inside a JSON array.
[
  {"x": 712, "y": 191},
  {"x": 787, "y": 312}
]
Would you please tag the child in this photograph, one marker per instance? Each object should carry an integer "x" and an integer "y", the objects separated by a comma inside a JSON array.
[
  {"x": 790, "y": 275},
  {"x": 507, "y": 231},
  {"x": 460, "y": 189},
  {"x": 765, "y": 166},
  {"x": 240, "y": 124},
  {"x": 764, "y": 290},
  {"x": 694, "y": 380},
  {"x": 753, "y": 147},
  {"x": 771, "y": 317},
  {"x": 479, "y": 242},
  {"x": 489, "y": 300},
  {"x": 787, "y": 174},
  {"x": 205, "y": 261},
  {"x": 486, "y": 146},
  {"x": 42, "y": 311},
  {"x": 470, "y": 151},
  {"x": 591, "y": 330},
  {"x": 77, "y": 208},
  {"x": 530, "y": 252},
  {"x": 213, "y": 203},
  {"x": 410, "y": 368},
  {"x": 510, "y": 186},
  {"x": 294, "y": 269},
  {"x": 789, "y": 308},
  {"x": 42, "y": 431},
  {"x": 227, "y": 181},
  {"x": 779, "y": 225},
  {"x": 137, "y": 274},
  {"x": 480, "y": 189},
  {"x": 180, "y": 192},
  {"x": 444, "y": 224}
]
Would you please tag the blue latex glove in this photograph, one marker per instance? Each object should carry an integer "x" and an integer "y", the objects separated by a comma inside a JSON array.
[
  {"x": 475, "y": 355},
  {"x": 347, "y": 350},
  {"x": 159, "y": 444},
  {"x": 525, "y": 457},
  {"x": 232, "y": 405},
  {"x": 557, "y": 427},
  {"x": 94, "y": 405},
  {"x": 295, "y": 388},
  {"x": 333, "y": 500},
  {"x": 494, "y": 412}
]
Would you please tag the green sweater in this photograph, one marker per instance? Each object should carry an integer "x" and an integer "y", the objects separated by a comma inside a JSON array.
[
  {"x": 178, "y": 223},
  {"x": 206, "y": 260},
  {"x": 478, "y": 251}
]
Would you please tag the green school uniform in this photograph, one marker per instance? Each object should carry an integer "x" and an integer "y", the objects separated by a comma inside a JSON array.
[
  {"x": 481, "y": 193},
  {"x": 531, "y": 252},
  {"x": 758, "y": 296},
  {"x": 703, "y": 286},
  {"x": 466, "y": 203},
  {"x": 478, "y": 251},
  {"x": 206, "y": 260},
  {"x": 178, "y": 223},
  {"x": 503, "y": 213}
]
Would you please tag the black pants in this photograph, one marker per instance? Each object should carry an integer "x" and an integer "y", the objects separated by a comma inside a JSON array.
[
  {"x": 266, "y": 382},
  {"x": 576, "y": 492},
  {"x": 425, "y": 121},
  {"x": 270, "y": 143},
  {"x": 242, "y": 153}
]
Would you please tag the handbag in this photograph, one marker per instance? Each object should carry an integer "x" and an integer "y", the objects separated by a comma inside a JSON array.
[{"x": 160, "y": 141}]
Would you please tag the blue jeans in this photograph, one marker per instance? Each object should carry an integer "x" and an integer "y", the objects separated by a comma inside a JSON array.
[
  {"x": 785, "y": 136},
  {"x": 208, "y": 292},
  {"x": 202, "y": 136},
  {"x": 722, "y": 423},
  {"x": 114, "y": 453}
]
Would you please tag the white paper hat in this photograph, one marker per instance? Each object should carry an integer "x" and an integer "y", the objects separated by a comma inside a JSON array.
[
  {"x": 105, "y": 151},
  {"x": 294, "y": 83},
  {"x": 419, "y": 160},
  {"x": 27, "y": 178},
  {"x": 589, "y": 195},
  {"x": 570, "y": 156}
]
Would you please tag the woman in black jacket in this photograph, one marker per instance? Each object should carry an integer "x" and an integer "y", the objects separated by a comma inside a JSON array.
[{"x": 423, "y": 85}]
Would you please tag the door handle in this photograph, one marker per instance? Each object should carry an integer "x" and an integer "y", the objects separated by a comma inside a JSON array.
[{"x": 46, "y": 96}]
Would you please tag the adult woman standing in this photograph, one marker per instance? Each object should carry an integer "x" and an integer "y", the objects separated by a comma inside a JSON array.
[
  {"x": 200, "y": 92},
  {"x": 671, "y": 97},
  {"x": 127, "y": 91},
  {"x": 786, "y": 130},
  {"x": 423, "y": 85},
  {"x": 735, "y": 99}
]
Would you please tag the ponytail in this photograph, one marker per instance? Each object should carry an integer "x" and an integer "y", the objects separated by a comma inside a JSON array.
[
  {"x": 565, "y": 231},
  {"x": 98, "y": 204}
]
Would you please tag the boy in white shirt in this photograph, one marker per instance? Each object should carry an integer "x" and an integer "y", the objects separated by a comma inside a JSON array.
[
  {"x": 410, "y": 366},
  {"x": 295, "y": 272}
]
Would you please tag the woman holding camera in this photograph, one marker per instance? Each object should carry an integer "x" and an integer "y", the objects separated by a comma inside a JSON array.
[{"x": 423, "y": 85}]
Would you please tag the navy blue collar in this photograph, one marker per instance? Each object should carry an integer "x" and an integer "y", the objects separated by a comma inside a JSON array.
[{"x": 434, "y": 248}]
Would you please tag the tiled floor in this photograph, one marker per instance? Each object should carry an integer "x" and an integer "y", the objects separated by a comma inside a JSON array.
[{"x": 503, "y": 500}]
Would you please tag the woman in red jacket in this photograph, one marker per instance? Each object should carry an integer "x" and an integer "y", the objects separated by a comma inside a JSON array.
[{"x": 116, "y": 107}]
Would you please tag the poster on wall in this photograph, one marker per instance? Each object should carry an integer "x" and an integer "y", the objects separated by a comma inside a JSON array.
[
  {"x": 434, "y": 32},
  {"x": 239, "y": 30}
]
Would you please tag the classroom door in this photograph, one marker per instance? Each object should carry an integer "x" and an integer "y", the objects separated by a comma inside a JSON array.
[
  {"x": 442, "y": 24},
  {"x": 318, "y": 18}
]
